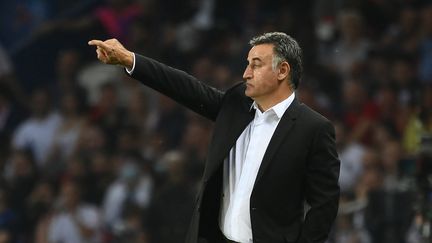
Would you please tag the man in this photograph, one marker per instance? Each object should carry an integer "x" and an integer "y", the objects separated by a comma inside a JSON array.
[{"x": 268, "y": 155}]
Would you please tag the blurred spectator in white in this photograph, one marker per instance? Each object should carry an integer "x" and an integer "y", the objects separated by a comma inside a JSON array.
[
  {"x": 350, "y": 50},
  {"x": 74, "y": 221},
  {"x": 350, "y": 154},
  {"x": 346, "y": 232},
  {"x": 67, "y": 134},
  {"x": 94, "y": 77},
  {"x": 133, "y": 186},
  {"x": 37, "y": 132},
  {"x": 187, "y": 33}
]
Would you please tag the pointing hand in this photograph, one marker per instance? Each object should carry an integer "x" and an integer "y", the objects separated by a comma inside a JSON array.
[{"x": 112, "y": 52}]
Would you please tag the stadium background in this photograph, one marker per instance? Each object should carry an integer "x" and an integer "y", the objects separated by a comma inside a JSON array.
[{"x": 89, "y": 155}]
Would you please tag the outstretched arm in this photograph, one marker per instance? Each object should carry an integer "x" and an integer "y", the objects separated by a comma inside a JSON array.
[{"x": 172, "y": 82}]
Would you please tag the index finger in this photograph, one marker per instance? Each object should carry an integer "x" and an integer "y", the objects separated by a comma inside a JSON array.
[{"x": 99, "y": 43}]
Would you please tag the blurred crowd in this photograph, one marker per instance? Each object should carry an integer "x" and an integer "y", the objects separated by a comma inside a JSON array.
[{"x": 88, "y": 155}]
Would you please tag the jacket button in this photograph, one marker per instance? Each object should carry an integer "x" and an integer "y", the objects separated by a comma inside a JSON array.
[{"x": 254, "y": 209}]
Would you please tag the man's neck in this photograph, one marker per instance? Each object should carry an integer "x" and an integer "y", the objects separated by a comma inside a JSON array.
[{"x": 265, "y": 104}]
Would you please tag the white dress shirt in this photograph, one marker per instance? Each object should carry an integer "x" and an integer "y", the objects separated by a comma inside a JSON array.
[{"x": 241, "y": 169}]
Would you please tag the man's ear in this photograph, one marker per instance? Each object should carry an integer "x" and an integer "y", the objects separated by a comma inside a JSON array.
[{"x": 284, "y": 70}]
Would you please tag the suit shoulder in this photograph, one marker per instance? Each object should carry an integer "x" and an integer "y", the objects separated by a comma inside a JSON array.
[{"x": 313, "y": 116}]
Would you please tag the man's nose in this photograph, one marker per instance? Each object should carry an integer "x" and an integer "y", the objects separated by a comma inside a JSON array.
[{"x": 247, "y": 73}]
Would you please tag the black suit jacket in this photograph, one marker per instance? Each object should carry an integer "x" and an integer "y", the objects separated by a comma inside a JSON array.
[{"x": 300, "y": 163}]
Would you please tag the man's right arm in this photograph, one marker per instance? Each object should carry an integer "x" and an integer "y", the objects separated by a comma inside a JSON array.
[
  {"x": 172, "y": 82},
  {"x": 178, "y": 85}
]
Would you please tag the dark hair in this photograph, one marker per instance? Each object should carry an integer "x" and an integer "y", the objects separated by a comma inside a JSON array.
[{"x": 285, "y": 48}]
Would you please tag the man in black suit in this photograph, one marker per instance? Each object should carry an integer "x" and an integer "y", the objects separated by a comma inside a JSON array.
[{"x": 269, "y": 153}]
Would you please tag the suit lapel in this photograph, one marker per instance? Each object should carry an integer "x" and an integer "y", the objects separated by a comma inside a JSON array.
[
  {"x": 286, "y": 123},
  {"x": 227, "y": 136}
]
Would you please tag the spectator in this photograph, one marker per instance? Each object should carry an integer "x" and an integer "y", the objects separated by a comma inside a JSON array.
[
  {"x": 74, "y": 221},
  {"x": 67, "y": 134},
  {"x": 359, "y": 112},
  {"x": 9, "y": 221},
  {"x": 172, "y": 206},
  {"x": 11, "y": 114},
  {"x": 22, "y": 176},
  {"x": 92, "y": 139},
  {"x": 351, "y": 49},
  {"x": 404, "y": 35},
  {"x": 38, "y": 210},
  {"x": 171, "y": 122},
  {"x": 350, "y": 154},
  {"x": 425, "y": 62},
  {"x": 37, "y": 132},
  {"x": 132, "y": 187}
]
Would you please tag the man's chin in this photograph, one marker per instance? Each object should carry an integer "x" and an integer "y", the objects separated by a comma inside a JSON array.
[{"x": 248, "y": 92}]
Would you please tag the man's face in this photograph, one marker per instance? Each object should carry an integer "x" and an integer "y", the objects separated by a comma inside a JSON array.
[{"x": 261, "y": 79}]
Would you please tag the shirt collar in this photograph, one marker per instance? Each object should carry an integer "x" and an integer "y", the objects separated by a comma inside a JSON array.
[{"x": 280, "y": 108}]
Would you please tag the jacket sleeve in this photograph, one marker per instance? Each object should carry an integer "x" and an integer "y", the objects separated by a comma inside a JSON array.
[
  {"x": 322, "y": 188},
  {"x": 179, "y": 86}
]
